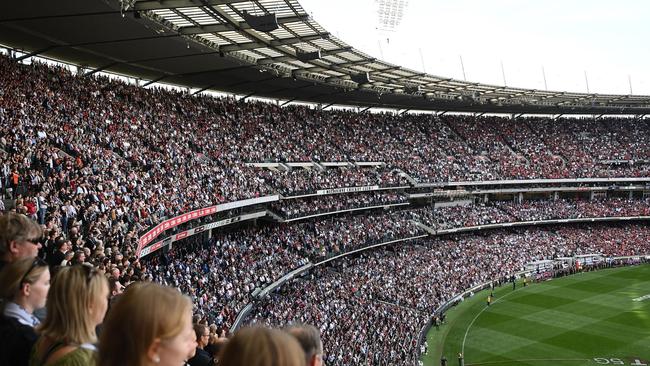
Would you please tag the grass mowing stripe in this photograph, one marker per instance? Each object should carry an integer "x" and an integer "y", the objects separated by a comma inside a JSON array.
[
  {"x": 476, "y": 317},
  {"x": 531, "y": 360},
  {"x": 581, "y": 317}
]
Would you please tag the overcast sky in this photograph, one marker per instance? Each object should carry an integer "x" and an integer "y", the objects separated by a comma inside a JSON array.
[{"x": 607, "y": 39}]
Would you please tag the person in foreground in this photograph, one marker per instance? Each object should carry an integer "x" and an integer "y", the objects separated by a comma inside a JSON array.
[
  {"x": 23, "y": 288},
  {"x": 19, "y": 238},
  {"x": 202, "y": 356},
  {"x": 149, "y": 324},
  {"x": 309, "y": 338},
  {"x": 76, "y": 304},
  {"x": 258, "y": 346}
]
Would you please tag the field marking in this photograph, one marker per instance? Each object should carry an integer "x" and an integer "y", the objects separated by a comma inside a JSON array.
[
  {"x": 462, "y": 349},
  {"x": 645, "y": 297},
  {"x": 530, "y": 360}
]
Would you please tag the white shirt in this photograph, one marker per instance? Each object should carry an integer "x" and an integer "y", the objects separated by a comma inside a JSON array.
[{"x": 13, "y": 310}]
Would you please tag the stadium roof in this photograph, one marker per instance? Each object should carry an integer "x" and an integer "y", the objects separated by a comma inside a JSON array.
[{"x": 211, "y": 45}]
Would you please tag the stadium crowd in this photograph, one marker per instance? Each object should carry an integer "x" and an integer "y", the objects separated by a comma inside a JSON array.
[
  {"x": 495, "y": 212},
  {"x": 95, "y": 162},
  {"x": 290, "y": 209},
  {"x": 371, "y": 308}
]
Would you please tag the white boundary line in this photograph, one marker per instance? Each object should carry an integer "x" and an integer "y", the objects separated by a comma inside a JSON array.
[{"x": 476, "y": 317}]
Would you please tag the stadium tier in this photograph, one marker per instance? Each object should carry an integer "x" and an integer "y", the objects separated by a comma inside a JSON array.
[
  {"x": 98, "y": 162},
  {"x": 249, "y": 213}
]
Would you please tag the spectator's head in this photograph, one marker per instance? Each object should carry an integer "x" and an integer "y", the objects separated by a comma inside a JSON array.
[
  {"x": 202, "y": 335},
  {"x": 258, "y": 346},
  {"x": 76, "y": 304},
  {"x": 115, "y": 286},
  {"x": 309, "y": 338},
  {"x": 79, "y": 257},
  {"x": 69, "y": 255},
  {"x": 216, "y": 345},
  {"x": 158, "y": 321},
  {"x": 26, "y": 283},
  {"x": 62, "y": 245},
  {"x": 19, "y": 237}
]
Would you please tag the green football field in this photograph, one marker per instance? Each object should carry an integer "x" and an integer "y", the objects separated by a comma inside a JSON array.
[{"x": 595, "y": 318}]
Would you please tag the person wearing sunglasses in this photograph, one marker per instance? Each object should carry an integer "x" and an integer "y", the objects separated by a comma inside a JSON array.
[
  {"x": 76, "y": 304},
  {"x": 19, "y": 238},
  {"x": 24, "y": 285}
]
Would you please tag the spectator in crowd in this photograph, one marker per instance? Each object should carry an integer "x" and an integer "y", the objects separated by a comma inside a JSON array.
[
  {"x": 115, "y": 287},
  {"x": 309, "y": 338},
  {"x": 19, "y": 238},
  {"x": 98, "y": 175},
  {"x": 67, "y": 259},
  {"x": 216, "y": 345},
  {"x": 158, "y": 322},
  {"x": 77, "y": 302},
  {"x": 61, "y": 252},
  {"x": 259, "y": 346},
  {"x": 202, "y": 357},
  {"x": 24, "y": 285}
]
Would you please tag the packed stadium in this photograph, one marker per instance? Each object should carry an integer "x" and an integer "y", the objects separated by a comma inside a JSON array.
[{"x": 228, "y": 182}]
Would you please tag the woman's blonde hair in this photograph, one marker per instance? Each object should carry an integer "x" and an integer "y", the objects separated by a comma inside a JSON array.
[
  {"x": 14, "y": 274},
  {"x": 73, "y": 290},
  {"x": 144, "y": 312},
  {"x": 258, "y": 346}
]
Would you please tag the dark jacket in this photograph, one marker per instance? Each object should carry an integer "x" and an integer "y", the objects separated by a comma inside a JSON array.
[
  {"x": 17, "y": 342},
  {"x": 201, "y": 358}
]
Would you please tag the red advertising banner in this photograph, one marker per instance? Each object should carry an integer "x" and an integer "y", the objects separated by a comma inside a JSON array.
[{"x": 172, "y": 223}]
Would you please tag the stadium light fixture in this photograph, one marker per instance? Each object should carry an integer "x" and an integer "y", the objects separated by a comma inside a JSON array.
[
  {"x": 308, "y": 56},
  {"x": 361, "y": 78},
  {"x": 263, "y": 23}
]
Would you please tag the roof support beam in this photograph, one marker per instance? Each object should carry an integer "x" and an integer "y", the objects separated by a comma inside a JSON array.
[
  {"x": 215, "y": 28},
  {"x": 287, "y": 102},
  {"x": 246, "y": 97},
  {"x": 273, "y": 43},
  {"x": 271, "y": 60},
  {"x": 172, "y": 4},
  {"x": 155, "y": 80},
  {"x": 131, "y": 62},
  {"x": 211, "y": 71},
  {"x": 336, "y": 67},
  {"x": 34, "y": 53},
  {"x": 203, "y": 89},
  {"x": 89, "y": 73}
]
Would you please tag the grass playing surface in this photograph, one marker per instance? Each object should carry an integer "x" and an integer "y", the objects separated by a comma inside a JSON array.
[{"x": 585, "y": 319}]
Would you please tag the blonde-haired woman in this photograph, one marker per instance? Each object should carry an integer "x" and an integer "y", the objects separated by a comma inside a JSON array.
[
  {"x": 149, "y": 324},
  {"x": 258, "y": 346},
  {"x": 23, "y": 288},
  {"x": 76, "y": 304}
]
